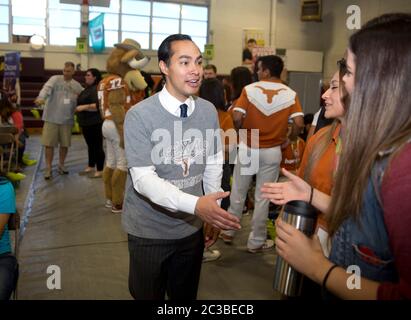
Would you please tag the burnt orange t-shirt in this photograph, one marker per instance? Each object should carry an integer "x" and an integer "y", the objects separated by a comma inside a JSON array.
[
  {"x": 227, "y": 125},
  {"x": 230, "y": 110},
  {"x": 225, "y": 119},
  {"x": 292, "y": 155},
  {"x": 322, "y": 174},
  {"x": 267, "y": 106}
]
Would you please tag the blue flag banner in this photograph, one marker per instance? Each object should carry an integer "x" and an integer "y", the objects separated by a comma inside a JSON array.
[
  {"x": 11, "y": 81},
  {"x": 12, "y": 65},
  {"x": 96, "y": 29}
]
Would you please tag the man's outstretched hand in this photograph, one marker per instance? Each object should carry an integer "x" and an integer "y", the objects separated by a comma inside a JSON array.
[{"x": 210, "y": 212}]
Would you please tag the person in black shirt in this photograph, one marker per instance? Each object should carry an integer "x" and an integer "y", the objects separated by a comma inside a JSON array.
[{"x": 90, "y": 121}]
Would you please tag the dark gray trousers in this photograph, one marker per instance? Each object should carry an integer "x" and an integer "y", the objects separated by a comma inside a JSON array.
[{"x": 160, "y": 266}]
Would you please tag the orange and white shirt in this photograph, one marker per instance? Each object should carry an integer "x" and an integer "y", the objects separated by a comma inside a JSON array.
[
  {"x": 229, "y": 136},
  {"x": 267, "y": 106},
  {"x": 292, "y": 155},
  {"x": 115, "y": 82},
  {"x": 225, "y": 120},
  {"x": 322, "y": 173}
]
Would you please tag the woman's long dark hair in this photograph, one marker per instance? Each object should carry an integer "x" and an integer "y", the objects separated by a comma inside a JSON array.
[
  {"x": 213, "y": 90},
  {"x": 96, "y": 73},
  {"x": 6, "y": 106},
  {"x": 379, "y": 115},
  {"x": 239, "y": 77}
]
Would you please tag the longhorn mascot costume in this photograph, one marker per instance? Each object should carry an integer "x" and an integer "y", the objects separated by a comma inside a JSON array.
[{"x": 122, "y": 88}]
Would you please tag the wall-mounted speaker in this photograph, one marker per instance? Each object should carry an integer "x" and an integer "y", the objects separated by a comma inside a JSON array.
[{"x": 311, "y": 10}]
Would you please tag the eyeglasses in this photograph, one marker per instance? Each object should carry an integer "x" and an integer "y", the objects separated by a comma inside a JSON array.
[{"x": 342, "y": 65}]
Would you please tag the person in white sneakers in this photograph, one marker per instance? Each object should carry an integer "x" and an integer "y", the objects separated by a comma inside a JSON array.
[{"x": 262, "y": 110}]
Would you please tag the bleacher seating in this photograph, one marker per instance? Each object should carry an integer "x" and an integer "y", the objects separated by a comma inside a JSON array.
[{"x": 33, "y": 75}]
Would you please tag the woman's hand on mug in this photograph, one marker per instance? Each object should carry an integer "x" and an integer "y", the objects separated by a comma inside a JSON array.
[
  {"x": 302, "y": 253},
  {"x": 282, "y": 192}
]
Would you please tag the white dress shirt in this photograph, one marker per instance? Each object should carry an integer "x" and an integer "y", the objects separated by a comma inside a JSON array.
[
  {"x": 172, "y": 104},
  {"x": 149, "y": 184}
]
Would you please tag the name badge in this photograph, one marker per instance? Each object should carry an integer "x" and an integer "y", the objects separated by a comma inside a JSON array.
[{"x": 66, "y": 101}]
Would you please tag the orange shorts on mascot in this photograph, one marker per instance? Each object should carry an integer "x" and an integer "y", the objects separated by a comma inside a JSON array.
[{"x": 120, "y": 89}]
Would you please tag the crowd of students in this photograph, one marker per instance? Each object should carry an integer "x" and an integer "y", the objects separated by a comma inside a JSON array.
[
  {"x": 367, "y": 209},
  {"x": 355, "y": 170}
]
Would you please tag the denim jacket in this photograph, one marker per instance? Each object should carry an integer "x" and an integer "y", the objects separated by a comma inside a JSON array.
[{"x": 364, "y": 241}]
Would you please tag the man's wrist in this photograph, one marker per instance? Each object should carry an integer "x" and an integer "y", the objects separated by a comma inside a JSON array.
[{"x": 187, "y": 202}]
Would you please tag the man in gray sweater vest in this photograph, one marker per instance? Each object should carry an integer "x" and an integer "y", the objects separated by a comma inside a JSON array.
[{"x": 173, "y": 152}]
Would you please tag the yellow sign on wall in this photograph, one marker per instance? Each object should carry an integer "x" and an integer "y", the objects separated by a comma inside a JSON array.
[
  {"x": 256, "y": 34},
  {"x": 81, "y": 45},
  {"x": 208, "y": 52}
]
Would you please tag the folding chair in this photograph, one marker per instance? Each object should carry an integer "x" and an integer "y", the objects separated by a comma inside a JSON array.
[{"x": 8, "y": 144}]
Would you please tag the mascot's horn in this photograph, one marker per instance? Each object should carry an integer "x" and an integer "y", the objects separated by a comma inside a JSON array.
[{"x": 138, "y": 64}]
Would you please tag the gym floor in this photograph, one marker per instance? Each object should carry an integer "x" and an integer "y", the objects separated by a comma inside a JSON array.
[{"x": 68, "y": 231}]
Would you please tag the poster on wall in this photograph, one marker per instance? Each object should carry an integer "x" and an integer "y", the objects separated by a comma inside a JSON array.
[
  {"x": 11, "y": 76},
  {"x": 252, "y": 38},
  {"x": 253, "y": 34}
]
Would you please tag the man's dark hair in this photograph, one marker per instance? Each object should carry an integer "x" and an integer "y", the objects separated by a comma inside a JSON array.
[
  {"x": 164, "y": 52},
  {"x": 308, "y": 118},
  {"x": 150, "y": 83},
  {"x": 211, "y": 67},
  {"x": 273, "y": 63},
  {"x": 247, "y": 55}
]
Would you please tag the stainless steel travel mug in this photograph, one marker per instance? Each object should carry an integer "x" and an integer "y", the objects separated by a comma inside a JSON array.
[{"x": 302, "y": 216}]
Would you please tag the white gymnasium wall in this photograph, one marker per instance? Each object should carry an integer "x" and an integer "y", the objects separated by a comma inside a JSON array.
[
  {"x": 228, "y": 18},
  {"x": 292, "y": 33},
  {"x": 335, "y": 33},
  {"x": 279, "y": 19}
]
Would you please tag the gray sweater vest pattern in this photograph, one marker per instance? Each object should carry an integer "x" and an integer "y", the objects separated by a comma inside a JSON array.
[{"x": 178, "y": 149}]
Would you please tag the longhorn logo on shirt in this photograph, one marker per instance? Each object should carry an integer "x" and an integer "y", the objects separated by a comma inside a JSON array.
[
  {"x": 270, "y": 93},
  {"x": 186, "y": 152}
]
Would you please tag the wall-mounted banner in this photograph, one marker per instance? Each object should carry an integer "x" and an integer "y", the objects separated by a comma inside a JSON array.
[
  {"x": 263, "y": 51},
  {"x": 96, "y": 29},
  {"x": 11, "y": 76},
  {"x": 12, "y": 65}
]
